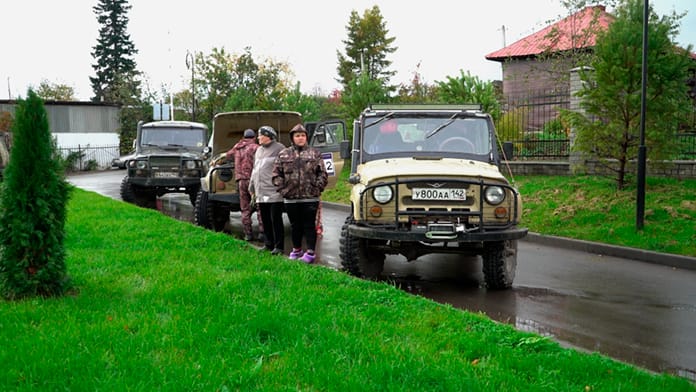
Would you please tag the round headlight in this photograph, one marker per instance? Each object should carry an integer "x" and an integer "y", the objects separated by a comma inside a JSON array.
[
  {"x": 382, "y": 194},
  {"x": 494, "y": 195},
  {"x": 141, "y": 164},
  {"x": 190, "y": 164},
  {"x": 225, "y": 175}
]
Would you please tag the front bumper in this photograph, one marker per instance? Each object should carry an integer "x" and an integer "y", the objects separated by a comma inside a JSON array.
[
  {"x": 425, "y": 235},
  {"x": 172, "y": 182}
]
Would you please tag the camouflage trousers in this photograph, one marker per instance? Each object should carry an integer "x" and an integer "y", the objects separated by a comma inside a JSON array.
[{"x": 245, "y": 207}]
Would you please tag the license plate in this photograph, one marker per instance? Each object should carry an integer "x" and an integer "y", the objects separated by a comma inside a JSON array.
[
  {"x": 438, "y": 194},
  {"x": 166, "y": 174}
]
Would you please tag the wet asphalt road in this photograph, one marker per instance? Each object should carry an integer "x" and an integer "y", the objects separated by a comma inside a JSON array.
[{"x": 637, "y": 312}]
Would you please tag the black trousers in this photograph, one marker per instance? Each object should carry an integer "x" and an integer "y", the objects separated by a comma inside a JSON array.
[
  {"x": 273, "y": 228},
  {"x": 303, "y": 217}
]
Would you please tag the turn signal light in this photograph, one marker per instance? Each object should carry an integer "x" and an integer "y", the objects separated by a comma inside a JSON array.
[
  {"x": 376, "y": 211},
  {"x": 220, "y": 186},
  {"x": 501, "y": 212}
]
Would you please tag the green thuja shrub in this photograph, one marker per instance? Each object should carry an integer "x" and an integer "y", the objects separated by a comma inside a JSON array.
[{"x": 33, "y": 205}]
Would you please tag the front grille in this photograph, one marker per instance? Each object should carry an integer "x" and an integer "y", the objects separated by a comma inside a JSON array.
[
  {"x": 164, "y": 162},
  {"x": 403, "y": 210}
]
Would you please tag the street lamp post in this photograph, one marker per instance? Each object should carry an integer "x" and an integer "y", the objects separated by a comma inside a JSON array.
[
  {"x": 640, "y": 196},
  {"x": 191, "y": 64}
]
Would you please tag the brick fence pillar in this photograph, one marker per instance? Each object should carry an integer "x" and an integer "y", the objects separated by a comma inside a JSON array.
[{"x": 577, "y": 164}]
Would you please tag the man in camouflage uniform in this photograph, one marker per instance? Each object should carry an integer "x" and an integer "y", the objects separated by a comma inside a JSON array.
[
  {"x": 243, "y": 155},
  {"x": 300, "y": 176}
]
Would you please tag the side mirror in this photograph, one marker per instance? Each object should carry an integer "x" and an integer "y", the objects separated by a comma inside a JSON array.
[{"x": 345, "y": 149}]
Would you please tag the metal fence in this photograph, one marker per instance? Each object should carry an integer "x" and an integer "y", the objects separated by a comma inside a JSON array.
[
  {"x": 533, "y": 111},
  {"x": 540, "y": 135},
  {"x": 687, "y": 146},
  {"x": 88, "y": 157},
  {"x": 559, "y": 149}
]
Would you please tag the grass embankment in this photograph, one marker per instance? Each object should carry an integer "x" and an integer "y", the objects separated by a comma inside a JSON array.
[
  {"x": 160, "y": 304},
  {"x": 590, "y": 208}
]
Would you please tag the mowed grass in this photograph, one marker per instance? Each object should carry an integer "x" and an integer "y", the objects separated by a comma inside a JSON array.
[
  {"x": 591, "y": 208},
  {"x": 160, "y": 304}
]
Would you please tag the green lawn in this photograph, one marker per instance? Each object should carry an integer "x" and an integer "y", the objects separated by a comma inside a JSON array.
[
  {"x": 160, "y": 304},
  {"x": 590, "y": 208}
]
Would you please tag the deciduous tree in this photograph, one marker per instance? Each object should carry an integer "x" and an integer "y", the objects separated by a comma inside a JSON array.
[
  {"x": 467, "y": 88},
  {"x": 362, "y": 91},
  {"x": 55, "y": 91},
  {"x": 418, "y": 91},
  {"x": 228, "y": 82}
]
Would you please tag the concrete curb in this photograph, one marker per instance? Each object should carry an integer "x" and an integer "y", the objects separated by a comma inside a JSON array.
[
  {"x": 667, "y": 259},
  {"x": 671, "y": 260}
]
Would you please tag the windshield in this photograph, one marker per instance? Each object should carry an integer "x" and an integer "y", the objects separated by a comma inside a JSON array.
[
  {"x": 411, "y": 136},
  {"x": 167, "y": 137}
]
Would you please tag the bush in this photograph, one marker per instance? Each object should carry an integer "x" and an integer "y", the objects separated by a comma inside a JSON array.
[
  {"x": 510, "y": 127},
  {"x": 33, "y": 209},
  {"x": 554, "y": 130}
]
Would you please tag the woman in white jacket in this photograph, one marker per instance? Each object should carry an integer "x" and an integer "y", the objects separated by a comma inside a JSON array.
[{"x": 269, "y": 201}]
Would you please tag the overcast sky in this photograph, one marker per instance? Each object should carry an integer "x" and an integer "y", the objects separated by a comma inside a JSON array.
[{"x": 53, "y": 40}]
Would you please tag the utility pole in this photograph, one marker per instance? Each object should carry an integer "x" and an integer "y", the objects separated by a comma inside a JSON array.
[{"x": 191, "y": 64}]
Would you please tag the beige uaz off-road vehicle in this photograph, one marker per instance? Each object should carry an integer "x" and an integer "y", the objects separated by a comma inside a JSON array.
[
  {"x": 218, "y": 195},
  {"x": 426, "y": 180}
]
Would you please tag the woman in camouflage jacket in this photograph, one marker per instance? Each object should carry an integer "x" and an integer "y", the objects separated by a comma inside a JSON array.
[{"x": 300, "y": 177}]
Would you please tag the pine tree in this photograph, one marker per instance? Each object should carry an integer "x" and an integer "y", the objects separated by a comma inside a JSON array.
[
  {"x": 367, "y": 47},
  {"x": 116, "y": 73},
  {"x": 612, "y": 92},
  {"x": 32, "y": 209}
]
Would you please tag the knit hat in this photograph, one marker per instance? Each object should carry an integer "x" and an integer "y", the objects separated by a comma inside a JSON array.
[
  {"x": 267, "y": 130},
  {"x": 249, "y": 134}
]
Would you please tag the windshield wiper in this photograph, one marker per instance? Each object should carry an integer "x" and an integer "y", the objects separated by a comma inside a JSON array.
[
  {"x": 386, "y": 116},
  {"x": 441, "y": 126}
]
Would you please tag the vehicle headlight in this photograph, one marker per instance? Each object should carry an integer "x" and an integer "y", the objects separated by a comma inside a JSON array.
[
  {"x": 494, "y": 195},
  {"x": 225, "y": 175},
  {"x": 190, "y": 164},
  {"x": 141, "y": 164},
  {"x": 382, "y": 194}
]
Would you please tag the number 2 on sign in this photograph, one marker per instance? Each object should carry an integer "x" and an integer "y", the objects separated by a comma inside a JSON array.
[{"x": 328, "y": 163}]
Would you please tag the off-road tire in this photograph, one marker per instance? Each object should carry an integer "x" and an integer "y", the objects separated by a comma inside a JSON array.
[
  {"x": 210, "y": 214},
  {"x": 127, "y": 193},
  {"x": 356, "y": 256},
  {"x": 141, "y": 198},
  {"x": 499, "y": 264},
  {"x": 192, "y": 193}
]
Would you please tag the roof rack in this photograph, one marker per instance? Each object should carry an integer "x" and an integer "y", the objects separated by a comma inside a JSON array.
[{"x": 426, "y": 106}]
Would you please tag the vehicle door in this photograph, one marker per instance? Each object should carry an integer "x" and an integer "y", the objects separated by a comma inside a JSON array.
[{"x": 326, "y": 136}]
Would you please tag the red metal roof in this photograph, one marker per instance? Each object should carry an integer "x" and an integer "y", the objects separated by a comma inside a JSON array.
[{"x": 568, "y": 33}]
